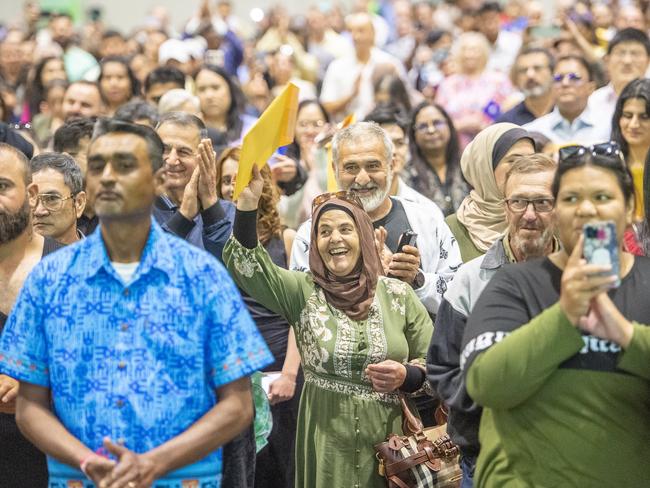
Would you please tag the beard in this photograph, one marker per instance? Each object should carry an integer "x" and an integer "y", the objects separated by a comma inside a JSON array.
[
  {"x": 13, "y": 224},
  {"x": 532, "y": 248},
  {"x": 375, "y": 199},
  {"x": 535, "y": 91}
]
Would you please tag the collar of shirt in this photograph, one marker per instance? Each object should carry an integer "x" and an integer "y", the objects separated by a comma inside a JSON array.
[
  {"x": 496, "y": 256},
  {"x": 156, "y": 254},
  {"x": 584, "y": 120}
]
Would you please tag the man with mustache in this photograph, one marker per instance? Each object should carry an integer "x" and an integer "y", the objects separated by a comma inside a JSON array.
[
  {"x": 532, "y": 74},
  {"x": 61, "y": 197},
  {"x": 131, "y": 340},
  {"x": 528, "y": 205},
  {"x": 363, "y": 158},
  {"x": 21, "y": 464}
]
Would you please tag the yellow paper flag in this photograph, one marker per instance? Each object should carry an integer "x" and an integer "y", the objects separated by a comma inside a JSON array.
[
  {"x": 273, "y": 129},
  {"x": 331, "y": 178}
]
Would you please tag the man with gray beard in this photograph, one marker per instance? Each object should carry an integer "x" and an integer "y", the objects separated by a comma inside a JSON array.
[
  {"x": 532, "y": 73},
  {"x": 528, "y": 206},
  {"x": 363, "y": 157},
  {"x": 21, "y": 464}
]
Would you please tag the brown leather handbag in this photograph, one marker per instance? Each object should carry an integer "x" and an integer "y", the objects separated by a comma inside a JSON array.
[{"x": 423, "y": 458}]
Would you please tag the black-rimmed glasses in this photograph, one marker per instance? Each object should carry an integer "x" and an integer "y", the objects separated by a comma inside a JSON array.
[{"x": 541, "y": 205}]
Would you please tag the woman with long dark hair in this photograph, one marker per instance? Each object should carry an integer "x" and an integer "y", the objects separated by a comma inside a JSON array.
[
  {"x": 45, "y": 72},
  {"x": 631, "y": 130},
  {"x": 222, "y": 103},
  {"x": 117, "y": 82},
  {"x": 434, "y": 168}
]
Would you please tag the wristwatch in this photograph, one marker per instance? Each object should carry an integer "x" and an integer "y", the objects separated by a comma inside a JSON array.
[{"x": 418, "y": 281}]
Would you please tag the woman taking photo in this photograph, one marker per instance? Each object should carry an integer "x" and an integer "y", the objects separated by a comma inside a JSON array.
[
  {"x": 358, "y": 334},
  {"x": 434, "y": 168},
  {"x": 222, "y": 103},
  {"x": 631, "y": 130},
  {"x": 555, "y": 351},
  {"x": 117, "y": 83}
]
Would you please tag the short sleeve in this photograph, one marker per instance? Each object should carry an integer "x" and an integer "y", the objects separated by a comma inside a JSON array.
[
  {"x": 235, "y": 346},
  {"x": 23, "y": 345}
]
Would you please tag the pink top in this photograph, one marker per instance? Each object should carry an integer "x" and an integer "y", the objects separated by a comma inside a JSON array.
[{"x": 462, "y": 96}]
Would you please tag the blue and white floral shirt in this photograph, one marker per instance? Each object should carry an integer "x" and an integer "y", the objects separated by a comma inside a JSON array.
[{"x": 137, "y": 362}]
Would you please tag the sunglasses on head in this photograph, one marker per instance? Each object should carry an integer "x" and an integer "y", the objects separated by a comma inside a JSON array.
[
  {"x": 344, "y": 195},
  {"x": 611, "y": 149}
]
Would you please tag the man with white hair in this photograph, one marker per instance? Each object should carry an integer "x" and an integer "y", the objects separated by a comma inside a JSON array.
[
  {"x": 179, "y": 100},
  {"x": 362, "y": 155},
  {"x": 347, "y": 86}
]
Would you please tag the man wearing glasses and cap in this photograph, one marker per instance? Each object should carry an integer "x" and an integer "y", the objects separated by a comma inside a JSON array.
[
  {"x": 528, "y": 207},
  {"x": 572, "y": 119},
  {"x": 61, "y": 199}
]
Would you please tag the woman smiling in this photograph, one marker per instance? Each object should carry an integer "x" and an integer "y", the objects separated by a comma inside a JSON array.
[
  {"x": 361, "y": 336},
  {"x": 556, "y": 353}
]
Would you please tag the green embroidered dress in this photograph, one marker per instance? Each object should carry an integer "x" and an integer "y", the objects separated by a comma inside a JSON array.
[{"x": 341, "y": 417}]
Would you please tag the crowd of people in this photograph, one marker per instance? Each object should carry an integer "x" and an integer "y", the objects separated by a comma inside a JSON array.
[{"x": 422, "y": 237}]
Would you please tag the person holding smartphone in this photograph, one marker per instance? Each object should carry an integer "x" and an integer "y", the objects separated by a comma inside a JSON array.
[{"x": 556, "y": 354}]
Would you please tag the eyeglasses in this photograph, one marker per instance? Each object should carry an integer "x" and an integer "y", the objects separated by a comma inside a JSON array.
[
  {"x": 51, "y": 201},
  {"x": 344, "y": 195},
  {"x": 609, "y": 149},
  {"x": 315, "y": 124},
  {"x": 574, "y": 78},
  {"x": 435, "y": 124},
  {"x": 541, "y": 205}
]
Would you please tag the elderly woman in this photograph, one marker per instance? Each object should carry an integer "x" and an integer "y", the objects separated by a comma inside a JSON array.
[
  {"x": 360, "y": 336},
  {"x": 555, "y": 352},
  {"x": 480, "y": 218},
  {"x": 473, "y": 95}
]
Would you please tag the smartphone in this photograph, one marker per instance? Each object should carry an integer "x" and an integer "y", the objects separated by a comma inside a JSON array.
[
  {"x": 408, "y": 238},
  {"x": 601, "y": 246}
]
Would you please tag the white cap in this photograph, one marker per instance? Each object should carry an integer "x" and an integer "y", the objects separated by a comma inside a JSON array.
[
  {"x": 173, "y": 49},
  {"x": 196, "y": 46}
]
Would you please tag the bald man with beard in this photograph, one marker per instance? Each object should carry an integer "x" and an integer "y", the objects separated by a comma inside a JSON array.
[{"x": 21, "y": 464}]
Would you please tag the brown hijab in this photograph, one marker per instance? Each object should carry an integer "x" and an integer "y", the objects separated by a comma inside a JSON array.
[{"x": 352, "y": 294}]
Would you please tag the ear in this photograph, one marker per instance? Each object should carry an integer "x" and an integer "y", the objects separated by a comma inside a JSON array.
[
  {"x": 80, "y": 203},
  {"x": 32, "y": 194}
]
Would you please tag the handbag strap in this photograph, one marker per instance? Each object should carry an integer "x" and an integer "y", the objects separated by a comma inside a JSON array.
[
  {"x": 426, "y": 454},
  {"x": 412, "y": 424}
]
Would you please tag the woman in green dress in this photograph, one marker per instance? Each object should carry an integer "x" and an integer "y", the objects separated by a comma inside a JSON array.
[{"x": 362, "y": 336}]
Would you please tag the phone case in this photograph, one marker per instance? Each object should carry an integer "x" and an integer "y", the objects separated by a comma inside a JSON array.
[{"x": 601, "y": 245}]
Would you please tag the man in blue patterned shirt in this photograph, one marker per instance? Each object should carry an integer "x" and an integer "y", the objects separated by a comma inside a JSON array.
[{"x": 141, "y": 340}]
